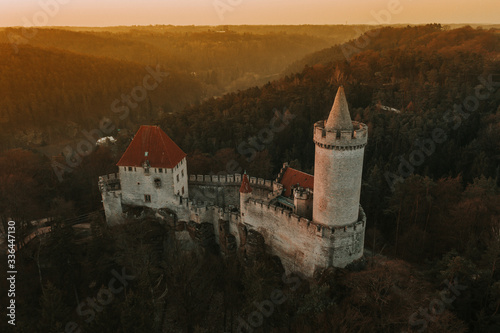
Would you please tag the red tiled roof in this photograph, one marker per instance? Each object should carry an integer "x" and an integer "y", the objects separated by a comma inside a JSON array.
[
  {"x": 162, "y": 152},
  {"x": 293, "y": 177},
  {"x": 245, "y": 185}
]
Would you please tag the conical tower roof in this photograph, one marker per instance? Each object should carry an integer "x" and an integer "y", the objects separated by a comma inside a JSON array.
[{"x": 339, "y": 118}]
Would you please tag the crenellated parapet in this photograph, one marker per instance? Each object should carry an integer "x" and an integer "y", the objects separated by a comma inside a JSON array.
[
  {"x": 109, "y": 183},
  {"x": 304, "y": 224},
  {"x": 301, "y": 193},
  {"x": 221, "y": 180},
  {"x": 341, "y": 139}
]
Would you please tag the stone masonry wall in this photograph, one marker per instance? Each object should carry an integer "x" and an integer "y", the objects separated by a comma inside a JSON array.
[
  {"x": 301, "y": 244},
  {"x": 224, "y": 191},
  {"x": 137, "y": 183}
]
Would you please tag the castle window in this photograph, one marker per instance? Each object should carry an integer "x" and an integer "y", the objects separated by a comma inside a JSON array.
[
  {"x": 135, "y": 169},
  {"x": 129, "y": 168},
  {"x": 183, "y": 190},
  {"x": 147, "y": 198},
  {"x": 160, "y": 170},
  {"x": 182, "y": 172},
  {"x": 157, "y": 182},
  {"x": 177, "y": 178},
  {"x": 124, "y": 168}
]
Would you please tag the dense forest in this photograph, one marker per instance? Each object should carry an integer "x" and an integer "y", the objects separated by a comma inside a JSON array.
[{"x": 431, "y": 99}]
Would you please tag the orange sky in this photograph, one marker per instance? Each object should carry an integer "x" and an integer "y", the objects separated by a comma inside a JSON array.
[{"x": 217, "y": 12}]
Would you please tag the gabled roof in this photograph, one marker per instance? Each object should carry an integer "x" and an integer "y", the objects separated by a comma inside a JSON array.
[
  {"x": 152, "y": 144},
  {"x": 245, "y": 185},
  {"x": 292, "y": 177},
  {"x": 339, "y": 118}
]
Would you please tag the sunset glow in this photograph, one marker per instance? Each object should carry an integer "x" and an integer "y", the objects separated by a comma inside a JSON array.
[{"x": 218, "y": 12}]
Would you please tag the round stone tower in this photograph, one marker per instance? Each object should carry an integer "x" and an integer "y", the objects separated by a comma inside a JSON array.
[{"x": 340, "y": 145}]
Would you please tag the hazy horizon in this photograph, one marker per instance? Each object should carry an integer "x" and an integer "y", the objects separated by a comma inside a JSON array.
[{"x": 108, "y": 13}]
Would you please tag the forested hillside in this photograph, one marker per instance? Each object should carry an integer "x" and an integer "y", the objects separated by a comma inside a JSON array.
[
  {"x": 423, "y": 38},
  {"x": 68, "y": 78},
  {"x": 49, "y": 95}
]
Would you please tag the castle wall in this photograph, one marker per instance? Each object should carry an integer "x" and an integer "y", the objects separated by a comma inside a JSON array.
[
  {"x": 109, "y": 186},
  {"x": 301, "y": 244},
  {"x": 137, "y": 183},
  {"x": 296, "y": 241},
  {"x": 180, "y": 172},
  {"x": 218, "y": 194},
  {"x": 224, "y": 191},
  {"x": 112, "y": 203}
]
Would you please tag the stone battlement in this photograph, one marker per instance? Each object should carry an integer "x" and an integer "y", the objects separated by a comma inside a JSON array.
[
  {"x": 341, "y": 139},
  {"x": 312, "y": 227},
  {"x": 109, "y": 183},
  {"x": 235, "y": 179}
]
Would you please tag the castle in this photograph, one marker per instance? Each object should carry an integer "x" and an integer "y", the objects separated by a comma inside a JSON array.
[{"x": 309, "y": 222}]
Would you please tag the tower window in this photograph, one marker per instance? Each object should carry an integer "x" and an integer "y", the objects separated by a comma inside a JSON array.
[{"x": 147, "y": 198}]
